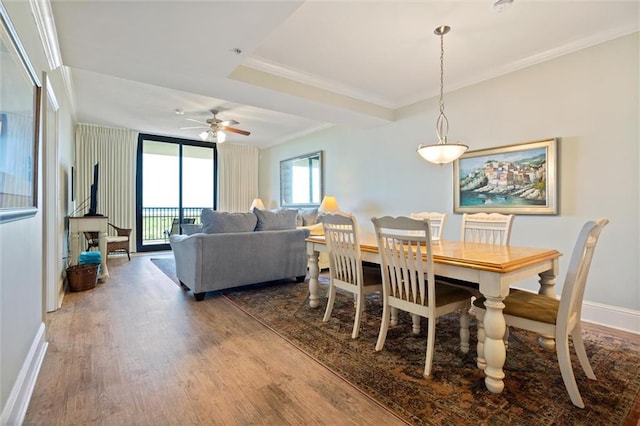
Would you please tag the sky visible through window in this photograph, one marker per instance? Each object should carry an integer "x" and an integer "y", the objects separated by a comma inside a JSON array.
[{"x": 160, "y": 181}]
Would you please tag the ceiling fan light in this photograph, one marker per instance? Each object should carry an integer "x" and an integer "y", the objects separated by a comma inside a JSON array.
[
  {"x": 221, "y": 136},
  {"x": 204, "y": 135},
  {"x": 442, "y": 153}
]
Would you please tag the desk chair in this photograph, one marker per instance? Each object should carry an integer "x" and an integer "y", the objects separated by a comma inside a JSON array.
[
  {"x": 345, "y": 265},
  {"x": 115, "y": 243},
  {"x": 549, "y": 316},
  {"x": 409, "y": 283}
]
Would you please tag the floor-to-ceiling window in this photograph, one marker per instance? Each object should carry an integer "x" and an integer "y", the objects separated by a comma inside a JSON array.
[{"x": 176, "y": 179}]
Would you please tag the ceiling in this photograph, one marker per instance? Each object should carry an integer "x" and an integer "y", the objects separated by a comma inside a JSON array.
[{"x": 302, "y": 65}]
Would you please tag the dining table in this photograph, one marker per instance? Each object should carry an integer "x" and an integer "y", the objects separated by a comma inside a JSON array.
[{"x": 494, "y": 267}]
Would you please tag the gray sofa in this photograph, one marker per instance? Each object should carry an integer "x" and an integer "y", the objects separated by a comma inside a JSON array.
[{"x": 236, "y": 249}]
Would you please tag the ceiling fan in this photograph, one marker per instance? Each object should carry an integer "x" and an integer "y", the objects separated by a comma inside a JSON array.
[{"x": 215, "y": 128}]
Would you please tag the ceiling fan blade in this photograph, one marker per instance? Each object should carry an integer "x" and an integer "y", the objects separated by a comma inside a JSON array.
[
  {"x": 194, "y": 127},
  {"x": 227, "y": 123},
  {"x": 238, "y": 131},
  {"x": 197, "y": 121}
]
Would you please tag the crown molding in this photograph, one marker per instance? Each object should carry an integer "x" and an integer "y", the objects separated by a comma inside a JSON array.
[
  {"x": 271, "y": 67},
  {"x": 43, "y": 17}
]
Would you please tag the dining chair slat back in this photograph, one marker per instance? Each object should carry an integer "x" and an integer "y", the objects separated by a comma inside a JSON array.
[
  {"x": 346, "y": 270},
  {"x": 488, "y": 228},
  {"x": 437, "y": 221},
  {"x": 409, "y": 283}
]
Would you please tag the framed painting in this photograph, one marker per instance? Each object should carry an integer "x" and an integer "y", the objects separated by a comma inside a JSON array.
[
  {"x": 19, "y": 127},
  {"x": 514, "y": 179}
]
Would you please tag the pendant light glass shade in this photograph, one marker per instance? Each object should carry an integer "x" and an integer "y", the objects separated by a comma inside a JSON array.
[{"x": 442, "y": 152}]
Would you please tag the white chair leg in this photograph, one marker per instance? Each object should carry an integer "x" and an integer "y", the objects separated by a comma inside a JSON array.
[
  {"x": 394, "y": 317},
  {"x": 431, "y": 340},
  {"x": 578, "y": 344},
  {"x": 359, "y": 309},
  {"x": 330, "y": 301},
  {"x": 384, "y": 327},
  {"x": 415, "y": 319},
  {"x": 464, "y": 330},
  {"x": 480, "y": 361},
  {"x": 564, "y": 360}
]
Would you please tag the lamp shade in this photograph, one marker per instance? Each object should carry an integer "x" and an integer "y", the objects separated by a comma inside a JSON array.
[
  {"x": 257, "y": 204},
  {"x": 442, "y": 153},
  {"x": 329, "y": 204}
]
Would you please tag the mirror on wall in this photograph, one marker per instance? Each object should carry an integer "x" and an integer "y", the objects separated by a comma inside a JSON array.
[{"x": 301, "y": 180}]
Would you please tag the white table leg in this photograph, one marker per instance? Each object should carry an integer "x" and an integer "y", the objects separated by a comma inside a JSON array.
[
  {"x": 547, "y": 287},
  {"x": 494, "y": 350},
  {"x": 314, "y": 272},
  {"x": 102, "y": 244},
  {"x": 75, "y": 252}
]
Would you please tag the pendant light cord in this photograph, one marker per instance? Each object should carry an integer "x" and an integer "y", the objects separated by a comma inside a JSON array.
[{"x": 442, "y": 124}]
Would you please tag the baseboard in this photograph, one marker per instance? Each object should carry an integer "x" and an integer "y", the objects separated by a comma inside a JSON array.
[
  {"x": 14, "y": 411},
  {"x": 614, "y": 317}
]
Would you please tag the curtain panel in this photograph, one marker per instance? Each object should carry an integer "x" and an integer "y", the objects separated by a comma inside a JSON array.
[
  {"x": 115, "y": 150},
  {"x": 237, "y": 176}
]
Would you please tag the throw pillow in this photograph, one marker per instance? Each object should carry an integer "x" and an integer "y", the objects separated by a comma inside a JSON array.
[
  {"x": 275, "y": 220},
  {"x": 309, "y": 216},
  {"x": 214, "y": 222}
]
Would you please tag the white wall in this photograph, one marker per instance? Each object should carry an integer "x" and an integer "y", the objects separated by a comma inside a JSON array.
[
  {"x": 588, "y": 99},
  {"x": 21, "y": 253}
]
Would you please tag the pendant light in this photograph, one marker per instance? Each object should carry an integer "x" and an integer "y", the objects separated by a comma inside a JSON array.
[{"x": 442, "y": 152}]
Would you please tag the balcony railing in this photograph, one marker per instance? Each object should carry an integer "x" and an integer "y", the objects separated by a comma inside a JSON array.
[{"x": 157, "y": 222}]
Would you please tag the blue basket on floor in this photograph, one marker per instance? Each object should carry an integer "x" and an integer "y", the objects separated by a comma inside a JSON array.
[{"x": 91, "y": 258}]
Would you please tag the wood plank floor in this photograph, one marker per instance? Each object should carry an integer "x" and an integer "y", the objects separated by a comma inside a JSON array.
[{"x": 138, "y": 350}]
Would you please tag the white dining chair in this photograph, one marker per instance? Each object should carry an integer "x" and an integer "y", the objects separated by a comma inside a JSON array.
[
  {"x": 346, "y": 270},
  {"x": 437, "y": 221},
  {"x": 409, "y": 282},
  {"x": 550, "y": 316},
  {"x": 489, "y": 228}
]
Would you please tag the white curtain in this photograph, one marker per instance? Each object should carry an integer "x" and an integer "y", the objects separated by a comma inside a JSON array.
[
  {"x": 115, "y": 151},
  {"x": 237, "y": 176}
]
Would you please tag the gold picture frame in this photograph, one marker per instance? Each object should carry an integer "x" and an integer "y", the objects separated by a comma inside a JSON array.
[
  {"x": 514, "y": 179},
  {"x": 19, "y": 127}
]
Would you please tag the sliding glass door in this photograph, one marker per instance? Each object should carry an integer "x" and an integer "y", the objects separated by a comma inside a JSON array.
[{"x": 176, "y": 180}]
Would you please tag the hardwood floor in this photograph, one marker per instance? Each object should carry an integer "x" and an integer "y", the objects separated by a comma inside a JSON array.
[{"x": 139, "y": 350}]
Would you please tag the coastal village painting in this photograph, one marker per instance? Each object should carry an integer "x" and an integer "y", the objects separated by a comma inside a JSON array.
[{"x": 514, "y": 179}]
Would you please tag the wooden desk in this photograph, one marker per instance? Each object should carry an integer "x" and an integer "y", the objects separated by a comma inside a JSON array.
[
  {"x": 494, "y": 267},
  {"x": 78, "y": 225}
]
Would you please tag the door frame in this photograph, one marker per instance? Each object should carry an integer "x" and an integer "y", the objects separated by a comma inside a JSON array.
[{"x": 139, "y": 168}]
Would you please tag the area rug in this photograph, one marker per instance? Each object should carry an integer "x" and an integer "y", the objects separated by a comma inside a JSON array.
[
  {"x": 168, "y": 266},
  {"x": 455, "y": 394}
]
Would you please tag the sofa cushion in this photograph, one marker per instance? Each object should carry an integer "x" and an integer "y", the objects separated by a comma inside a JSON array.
[
  {"x": 214, "y": 222},
  {"x": 309, "y": 216},
  {"x": 277, "y": 220}
]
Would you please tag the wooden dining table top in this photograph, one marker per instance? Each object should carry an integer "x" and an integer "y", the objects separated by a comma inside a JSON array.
[{"x": 481, "y": 256}]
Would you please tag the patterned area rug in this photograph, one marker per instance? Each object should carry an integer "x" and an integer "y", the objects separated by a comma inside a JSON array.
[
  {"x": 168, "y": 266},
  {"x": 455, "y": 394}
]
